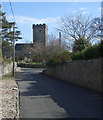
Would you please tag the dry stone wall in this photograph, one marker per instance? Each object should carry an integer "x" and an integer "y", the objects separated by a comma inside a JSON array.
[
  {"x": 7, "y": 68},
  {"x": 84, "y": 73}
]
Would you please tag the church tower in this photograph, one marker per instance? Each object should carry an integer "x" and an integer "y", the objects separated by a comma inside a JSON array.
[{"x": 40, "y": 34}]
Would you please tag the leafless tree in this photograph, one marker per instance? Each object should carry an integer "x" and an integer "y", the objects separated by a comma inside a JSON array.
[
  {"x": 75, "y": 27},
  {"x": 42, "y": 53}
]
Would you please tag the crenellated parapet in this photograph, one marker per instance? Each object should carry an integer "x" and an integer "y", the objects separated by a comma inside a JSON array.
[{"x": 40, "y": 34}]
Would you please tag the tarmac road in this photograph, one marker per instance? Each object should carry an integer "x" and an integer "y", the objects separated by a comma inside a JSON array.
[{"x": 45, "y": 97}]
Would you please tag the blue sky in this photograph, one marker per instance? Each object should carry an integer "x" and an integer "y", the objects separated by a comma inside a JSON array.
[{"x": 28, "y": 13}]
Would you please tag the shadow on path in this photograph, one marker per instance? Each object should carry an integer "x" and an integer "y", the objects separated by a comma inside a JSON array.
[{"x": 78, "y": 102}]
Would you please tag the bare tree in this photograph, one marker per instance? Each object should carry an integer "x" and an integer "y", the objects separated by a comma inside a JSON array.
[
  {"x": 79, "y": 26},
  {"x": 97, "y": 25},
  {"x": 41, "y": 53},
  {"x": 54, "y": 41}
]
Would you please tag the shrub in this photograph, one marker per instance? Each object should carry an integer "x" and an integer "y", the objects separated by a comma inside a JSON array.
[
  {"x": 20, "y": 58},
  {"x": 81, "y": 44},
  {"x": 65, "y": 56},
  {"x": 77, "y": 55},
  {"x": 59, "y": 58},
  {"x": 94, "y": 52},
  {"x": 101, "y": 49}
]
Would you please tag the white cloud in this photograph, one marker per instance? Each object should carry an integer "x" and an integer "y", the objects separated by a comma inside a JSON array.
[
  {"x": 99, "y": 8},
  {"x": 79, "y": 11},
  {"x": 84, "y": 12},
  {"x": 83, "y": 8},
  {"x": 29, "y": 20},
  {"x": 74, "y": 11}
]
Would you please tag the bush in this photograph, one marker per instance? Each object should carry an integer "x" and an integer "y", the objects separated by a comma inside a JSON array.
[
  {"x": 65, "y": 56},
  {"x": 81, "y": 44},
  {"x": 59, "y": 58},
  {"x": 20, "y": 58},
  {"x": 93, "y": 52},
  {"x": 77, "y": 55},
  {"x": 37, "y": 58},
  {"x": 101, "y": 49}
]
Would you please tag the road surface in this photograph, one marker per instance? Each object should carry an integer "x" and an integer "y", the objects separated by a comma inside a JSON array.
[{"x": 45, "y": 97}]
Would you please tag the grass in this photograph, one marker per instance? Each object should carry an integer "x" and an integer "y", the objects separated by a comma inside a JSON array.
[
  {"x": 0, "y": 78},
  {"x": 35, "y": 63},
  {"x": 6, "y": 76}
]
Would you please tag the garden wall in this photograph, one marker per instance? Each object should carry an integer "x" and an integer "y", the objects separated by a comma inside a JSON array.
[
  {"x": 84, "y": 73},
  {"x": 7, "y": 68}
]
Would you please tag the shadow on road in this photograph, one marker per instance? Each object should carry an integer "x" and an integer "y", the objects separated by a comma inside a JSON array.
[{"x": 78, "y": 102}]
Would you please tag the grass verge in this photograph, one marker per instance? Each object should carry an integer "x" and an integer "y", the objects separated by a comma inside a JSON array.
[{"x": 6, "y": 76}]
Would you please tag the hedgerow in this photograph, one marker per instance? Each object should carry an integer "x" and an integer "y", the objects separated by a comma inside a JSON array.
[{"x": 93, "y": 52}]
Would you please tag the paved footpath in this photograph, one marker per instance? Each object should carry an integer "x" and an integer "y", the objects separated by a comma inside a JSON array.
[
  {"x": 0, "y": 98},
  {"x": 9, "y": 107},
  {"x": 45, "y": 97}
]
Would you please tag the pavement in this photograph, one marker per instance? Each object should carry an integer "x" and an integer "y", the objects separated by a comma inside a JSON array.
[
  {"x": 44, "y": 97},
  {"x": 0, "y": 99},
  {"x": 9, "y": 107}
]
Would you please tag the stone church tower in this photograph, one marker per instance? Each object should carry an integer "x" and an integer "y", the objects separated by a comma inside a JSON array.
[{"x": 40, "y": 34}]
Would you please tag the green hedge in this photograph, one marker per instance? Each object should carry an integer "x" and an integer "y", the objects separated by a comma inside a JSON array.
[
  {"x": 59, "y": 58},
  {"x": 94, "y": 52}
]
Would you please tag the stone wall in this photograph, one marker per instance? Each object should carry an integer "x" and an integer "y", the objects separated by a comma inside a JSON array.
[
  {"x": 31, "y": 65},
  {"x": 7, "y": 68},
  {"x": 84, "y": 73},
  {"x": 40, "y": 34}
]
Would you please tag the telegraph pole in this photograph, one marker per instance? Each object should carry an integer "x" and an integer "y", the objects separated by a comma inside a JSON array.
[
  {"x": 102, "y": 19},
  {"x": 60, "y": 38},
  {"x": 13, "y": 48}
]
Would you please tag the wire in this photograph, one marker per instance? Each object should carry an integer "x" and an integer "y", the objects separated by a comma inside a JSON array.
[
  {"x": 12, "y": 10},
  {"x": 15, "y": 19},
  {"x": 23, "y": 37}
]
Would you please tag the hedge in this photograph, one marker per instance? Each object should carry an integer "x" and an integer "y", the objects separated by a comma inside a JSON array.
[{"x": 94, "y": 52}]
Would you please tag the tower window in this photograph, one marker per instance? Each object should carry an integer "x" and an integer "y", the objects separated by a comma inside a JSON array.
[{"x": 40, "y": 30}]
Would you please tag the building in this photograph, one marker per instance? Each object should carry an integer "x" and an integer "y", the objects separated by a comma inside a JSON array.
[
  {"x": 21, "y": 49},
  {"x": 40, "y": 36}
]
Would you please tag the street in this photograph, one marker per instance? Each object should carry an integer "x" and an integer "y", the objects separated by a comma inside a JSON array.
[{"x": 44, "y": 97}]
